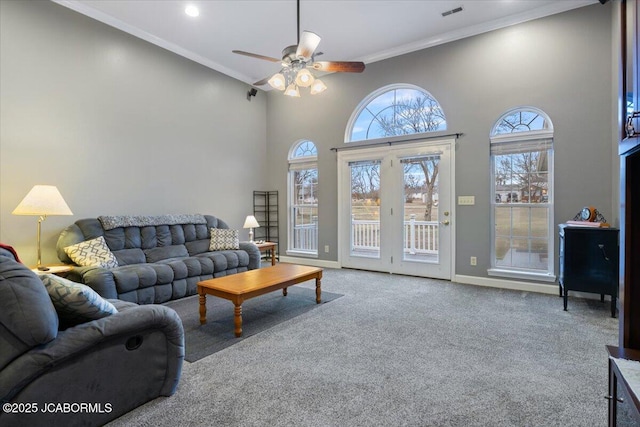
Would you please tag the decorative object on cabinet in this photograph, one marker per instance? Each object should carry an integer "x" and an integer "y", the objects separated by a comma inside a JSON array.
[
  {"x": 265, "y": 210},
  {"x": 41, "y": 201},
  {"x": 589, "y": 262},
  {"x": 589, "y": 217},
  {"x": 631, "y": 130}
]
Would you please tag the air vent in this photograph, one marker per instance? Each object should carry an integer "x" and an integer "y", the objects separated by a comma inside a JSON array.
[{"x": 452, "y": 11}]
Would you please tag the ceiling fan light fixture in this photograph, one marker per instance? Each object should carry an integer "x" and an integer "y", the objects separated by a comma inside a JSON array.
[
  {"x": 318, "y": 86},
  {"x": 304, "y": 78},
  {"x": 292, "y": 90},
  {"x": 277, "y": 81}
]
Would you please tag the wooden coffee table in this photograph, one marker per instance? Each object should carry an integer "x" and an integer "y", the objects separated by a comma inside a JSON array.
[{"x": 239, "y": 287}]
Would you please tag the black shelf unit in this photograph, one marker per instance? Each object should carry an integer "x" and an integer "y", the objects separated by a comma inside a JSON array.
[{"x": 265, "y": 209}]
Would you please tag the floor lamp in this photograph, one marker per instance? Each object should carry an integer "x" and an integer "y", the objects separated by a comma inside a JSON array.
[{"x": 41, "y": 201}]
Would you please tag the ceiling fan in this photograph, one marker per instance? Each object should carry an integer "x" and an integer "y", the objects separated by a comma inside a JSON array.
[{"x": 296, "y": 62}]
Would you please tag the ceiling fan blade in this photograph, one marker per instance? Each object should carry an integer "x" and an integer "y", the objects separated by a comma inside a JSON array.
[
  {"x": 339, "y": 66},
  {"x": 255, "y": 55},
  {"x": 308, "y": 43},
  {"x": 262, "y": 82}
]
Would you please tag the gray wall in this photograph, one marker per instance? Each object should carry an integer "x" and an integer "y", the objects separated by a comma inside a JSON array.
[
  {"x": 120, "y": 126},
  {"x": 125, "y": 127},
  {"x": 560, "y": 64}
]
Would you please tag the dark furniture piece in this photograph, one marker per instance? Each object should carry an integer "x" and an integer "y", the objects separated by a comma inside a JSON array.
[
  {"x": 265, "y": 209},
  {"x": 113, "y": 364},
  {"x": 589, "y": 260},
  {"x": 624, "y": 402},
  {"x": 626, "y": 413}
]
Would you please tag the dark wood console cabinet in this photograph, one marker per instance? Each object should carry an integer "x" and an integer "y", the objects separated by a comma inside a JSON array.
[
  {"x": 589, "y": 259},
  {"x": 627, "y": 411}
]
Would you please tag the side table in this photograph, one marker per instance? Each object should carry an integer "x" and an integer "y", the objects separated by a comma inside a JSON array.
[
  {"x": 268, "y": 246},
  {"x": 58, "y": 270}
]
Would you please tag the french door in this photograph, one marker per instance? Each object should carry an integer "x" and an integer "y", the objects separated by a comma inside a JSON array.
[{"x": 395, "y": 209}]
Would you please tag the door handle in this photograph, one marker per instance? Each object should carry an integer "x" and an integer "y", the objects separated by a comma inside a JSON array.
[
  {"x": 445, "y": 222},
  {"x": 604, "y": 253}
]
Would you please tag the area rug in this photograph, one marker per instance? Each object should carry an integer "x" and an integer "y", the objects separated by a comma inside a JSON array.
[{"x": 258, "y": 315}]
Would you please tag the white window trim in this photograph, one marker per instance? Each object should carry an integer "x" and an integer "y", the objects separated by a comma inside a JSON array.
[
  {"x": 296, "y": 164},
  {"x": 545, "y": 137},
  {"x": 367, "y": 99}
]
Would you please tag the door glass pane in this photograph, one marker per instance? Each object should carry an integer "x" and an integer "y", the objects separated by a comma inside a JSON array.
[
  {"x": 365, "y": 209},
  {"x": 420, "y": 209}
]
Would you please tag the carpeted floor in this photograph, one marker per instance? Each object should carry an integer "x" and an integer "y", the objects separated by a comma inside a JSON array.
[
  {"x": 258, "y": 315},
  {"x": 397, "y": 350}
]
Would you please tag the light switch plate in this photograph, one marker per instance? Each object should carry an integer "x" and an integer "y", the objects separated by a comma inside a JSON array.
[{"x": 466, "y": 200}]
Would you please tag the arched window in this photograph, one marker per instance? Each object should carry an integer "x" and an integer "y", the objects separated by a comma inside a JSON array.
[
  {"x": 522, "y": 195},
  {"x": 303, "y": 199},
  {"x": 399, "y": 109}
]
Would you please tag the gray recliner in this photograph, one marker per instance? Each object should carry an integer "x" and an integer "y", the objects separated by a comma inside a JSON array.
[{"x": 87, "y": 374}]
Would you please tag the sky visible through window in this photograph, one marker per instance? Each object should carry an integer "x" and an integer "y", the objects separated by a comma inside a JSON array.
[
  {"x": 398, "y": 112},
  {"x": 305, "y": 149},
  {"x": 520, "y": 121}
]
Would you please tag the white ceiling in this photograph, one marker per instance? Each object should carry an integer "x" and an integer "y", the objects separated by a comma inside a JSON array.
[{"x": 351, "y": 30}]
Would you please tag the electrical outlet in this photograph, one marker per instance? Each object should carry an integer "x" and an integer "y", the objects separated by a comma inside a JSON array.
[
  {"x": 473, "y": 261},
  {"x": 326, "y": 249}
]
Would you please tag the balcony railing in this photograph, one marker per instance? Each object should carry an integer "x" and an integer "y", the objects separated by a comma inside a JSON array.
[
  {"x": 420, "y": 237},
  {"x": 305, "y": 237}
]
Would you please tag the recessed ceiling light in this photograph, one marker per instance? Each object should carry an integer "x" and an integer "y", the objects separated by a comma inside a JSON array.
[{"x": 191, "y": 10}]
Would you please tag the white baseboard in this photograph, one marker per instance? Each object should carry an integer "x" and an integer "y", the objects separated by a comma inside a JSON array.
[
  {"x": 542, "y": 288},
  {"x": 310, "y": 261},
  {"x": 515, "y": 285}
]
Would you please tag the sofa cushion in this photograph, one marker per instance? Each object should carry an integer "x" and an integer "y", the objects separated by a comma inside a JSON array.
[
  {"x": 92, "y": 253},
  {"x": 132, "y": 277},
  {"x": 130, "y": 256},
  {"x": 224, "y": 239},
  {"x": 165, "y": 252},
  {"x": 75, "y": 302},
  {"x": 26, "y": 310}
]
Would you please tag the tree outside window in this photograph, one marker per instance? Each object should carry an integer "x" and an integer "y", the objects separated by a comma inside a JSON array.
[
  {"x": 521, "y": 152},
  {"x": 394, "y": 111}
]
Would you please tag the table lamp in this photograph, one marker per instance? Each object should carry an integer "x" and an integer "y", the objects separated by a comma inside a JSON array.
[
  {"x": 251, "y": 223},
  {"x": 41, "y": 201}
]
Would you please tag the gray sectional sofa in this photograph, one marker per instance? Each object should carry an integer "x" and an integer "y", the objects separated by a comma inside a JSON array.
[
  {"x": 159, "y": 258},
  {"x": 109, "y": 365}
]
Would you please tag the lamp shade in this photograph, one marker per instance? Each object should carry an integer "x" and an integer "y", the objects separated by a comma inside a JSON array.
[
  {"x": 304, "y": 78},
  {"x": 318, "y": 86},
  {"x": 251, "y": 222},
  {"x": 292, "y": 90},
  {"x": 43, "y": 200},
  {"x": 278, "y": 81}
]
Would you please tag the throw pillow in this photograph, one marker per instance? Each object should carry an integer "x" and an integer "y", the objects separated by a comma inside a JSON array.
[
  {"x": 224, "y": 239},
  {"x": 74, "y": 302},
  {"x": 92, "y": 253}
]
